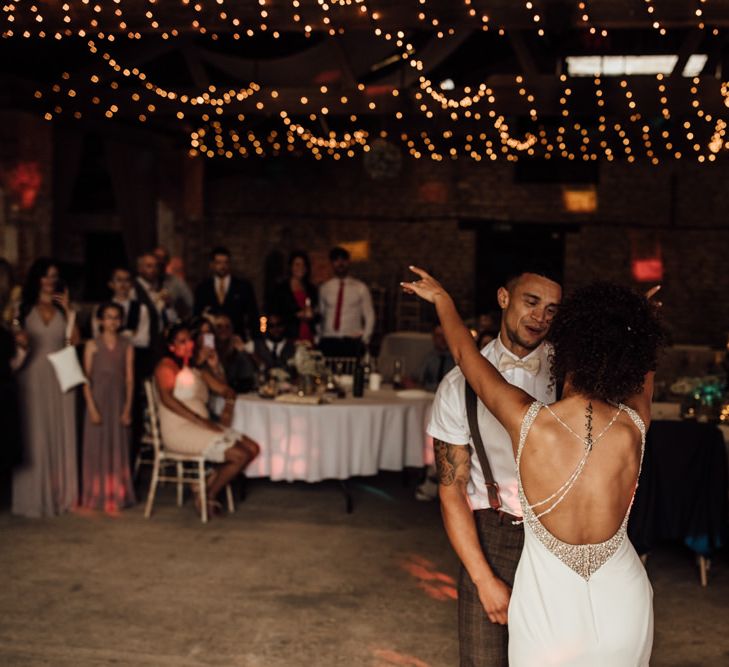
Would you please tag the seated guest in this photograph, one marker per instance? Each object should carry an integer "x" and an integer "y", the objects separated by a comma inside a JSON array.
[
  {"x": 224, "y": 293},
  {"x": 206, "y": 354},
  {"x": 184, "y": 418},
  {"x": 240, "y": 370},
  {"x": 438, "y": 362},
  {"x": 296, "y": 299},
  {"x": 273, "y": 350},
  {"x": 485, "y": 337},
  {"x": 345, "y": 303},
  {"x": 173, "y": 283},
  {"x": 487, "y": 326}
]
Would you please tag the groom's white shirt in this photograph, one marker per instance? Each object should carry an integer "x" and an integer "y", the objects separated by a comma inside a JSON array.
[{"x": 449, "y": 423}]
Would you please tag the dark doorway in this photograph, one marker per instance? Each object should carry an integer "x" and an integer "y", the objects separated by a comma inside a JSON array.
[
  {"x": 104, "y": 252},
  {"x": 503, "y": 249}
]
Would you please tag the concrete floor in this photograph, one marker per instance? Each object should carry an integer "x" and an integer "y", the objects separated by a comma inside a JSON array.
[{"x": 289, "y": 579}]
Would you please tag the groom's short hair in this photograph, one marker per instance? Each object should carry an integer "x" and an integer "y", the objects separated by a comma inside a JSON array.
[{"x": 542, "y": 270}]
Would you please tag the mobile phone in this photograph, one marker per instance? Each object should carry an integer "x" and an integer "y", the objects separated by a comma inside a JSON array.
[
  {"x": 60, "y": 287},
  {"x": 209, "y": 340}
]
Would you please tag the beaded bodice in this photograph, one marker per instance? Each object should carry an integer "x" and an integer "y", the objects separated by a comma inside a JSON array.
[{"x": 584, "y": 559}]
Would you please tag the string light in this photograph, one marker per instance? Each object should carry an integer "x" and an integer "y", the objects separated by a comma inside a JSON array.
[
  {"x": 650, "y": 8},
  {"x": 430, "y": 100},
  {"x": 585, "y": 18},
  {"x": 535, "y": 16}
]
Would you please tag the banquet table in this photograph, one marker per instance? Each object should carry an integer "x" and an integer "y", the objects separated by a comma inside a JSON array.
[
  {"x": 384, "y": 430},
  {"x": 682, "y": 493}
]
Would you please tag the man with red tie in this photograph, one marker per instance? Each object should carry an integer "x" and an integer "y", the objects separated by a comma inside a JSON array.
[{"x": 348, "y": 317}]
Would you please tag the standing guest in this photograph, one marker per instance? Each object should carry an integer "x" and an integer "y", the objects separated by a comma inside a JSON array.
[
  {"x": 109, "y": 366},
  {"x": 135, "y": 315},
  {"x": 345, "y": 303},
  {"x": 46, "y": 483},
  {"x": 240, "y": 370},
  {"x": 296, "y": 299},
  {"x": 172, "y": 280},
  {"x": 10, "y": 293},
  {"x": 484, "y": 537},
  {"x": 12, "y": 355},
  {"x": 438, "y": 362},
  {"x": 273, "y": 350},
  {"x": 224, "y": 293},
  {"x": 185, "y": 420},
  {"x": 148, "y": 291}
]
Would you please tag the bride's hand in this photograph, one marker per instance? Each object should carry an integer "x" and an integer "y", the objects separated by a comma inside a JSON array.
[
  {"x": 651, "y": 293},
  {"x": 427, "y": 288}
]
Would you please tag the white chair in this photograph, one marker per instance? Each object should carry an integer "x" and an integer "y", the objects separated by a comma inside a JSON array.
[
  {"x": 145, "y": 453},
  {"x": 182, "y": 474}
]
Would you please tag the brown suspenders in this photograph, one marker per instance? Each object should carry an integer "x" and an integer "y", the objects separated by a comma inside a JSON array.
[{"x": 472, "y": 412}]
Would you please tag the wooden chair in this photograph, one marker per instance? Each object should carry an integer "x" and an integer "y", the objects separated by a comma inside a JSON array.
[{"x": 194, "y": 474}]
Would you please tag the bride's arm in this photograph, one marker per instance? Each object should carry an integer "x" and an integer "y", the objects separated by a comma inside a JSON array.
[{"x": 505, "y": 401}]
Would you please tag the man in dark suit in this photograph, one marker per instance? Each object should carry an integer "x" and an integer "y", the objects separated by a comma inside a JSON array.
[
  {"x": 224, "y": 293},
  {"x": 273, "y": 350}
]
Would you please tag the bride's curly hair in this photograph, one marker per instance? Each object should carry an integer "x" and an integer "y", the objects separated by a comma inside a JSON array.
[{"x": 606, "y": 337}]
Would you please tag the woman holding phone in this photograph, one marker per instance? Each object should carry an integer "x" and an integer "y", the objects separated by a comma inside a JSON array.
[
  {"x": 46, "y": 483},
  {"x": 184, "y": 380}
]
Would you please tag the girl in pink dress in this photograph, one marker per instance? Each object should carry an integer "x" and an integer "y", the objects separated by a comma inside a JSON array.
[{"x": 109, "y": 366}]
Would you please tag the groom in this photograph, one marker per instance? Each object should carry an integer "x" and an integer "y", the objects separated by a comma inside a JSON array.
[{"x": 485, "y": 539}]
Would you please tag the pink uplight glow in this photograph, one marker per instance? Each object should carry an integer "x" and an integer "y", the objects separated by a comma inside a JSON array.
[
  {"x": 386, "y": 657},
  {"x": 435, "y": 584}
]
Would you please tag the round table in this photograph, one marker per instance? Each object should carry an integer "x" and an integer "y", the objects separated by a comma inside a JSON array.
[{"x": 345, "y": 438}]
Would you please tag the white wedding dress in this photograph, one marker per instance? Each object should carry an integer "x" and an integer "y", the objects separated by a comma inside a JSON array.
[{"x": 586, "y": 604}]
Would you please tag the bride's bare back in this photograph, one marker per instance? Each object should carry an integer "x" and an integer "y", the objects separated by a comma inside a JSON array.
[{"x": 595, "y": 507}]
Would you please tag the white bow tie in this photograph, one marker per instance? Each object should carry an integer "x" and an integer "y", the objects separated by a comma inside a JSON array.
[{"x": 506, "y": 363}]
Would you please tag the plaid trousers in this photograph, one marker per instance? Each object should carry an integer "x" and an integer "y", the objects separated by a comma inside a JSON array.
[{"x": 481, "y": 642}]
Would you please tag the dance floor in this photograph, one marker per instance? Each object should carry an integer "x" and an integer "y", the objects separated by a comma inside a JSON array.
[{"x": 287, "y": 580}]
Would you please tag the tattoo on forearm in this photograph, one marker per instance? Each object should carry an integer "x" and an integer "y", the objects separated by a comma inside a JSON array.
[{"x": 452, "y": 462}]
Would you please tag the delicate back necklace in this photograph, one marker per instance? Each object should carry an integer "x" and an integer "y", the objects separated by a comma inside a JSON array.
[{"x": 588, "y": 441}]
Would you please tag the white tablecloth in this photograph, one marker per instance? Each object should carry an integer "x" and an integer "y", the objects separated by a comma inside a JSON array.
[{"x": 349, "y": 437}]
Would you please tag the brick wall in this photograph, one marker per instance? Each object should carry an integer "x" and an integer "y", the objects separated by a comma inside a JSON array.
[
  {"x": 25, "y": 144},
  {"x": 414, "y": 217}
]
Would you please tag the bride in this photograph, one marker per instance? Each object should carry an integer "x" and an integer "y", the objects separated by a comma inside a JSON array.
[{"x": 581, "y": 595}]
